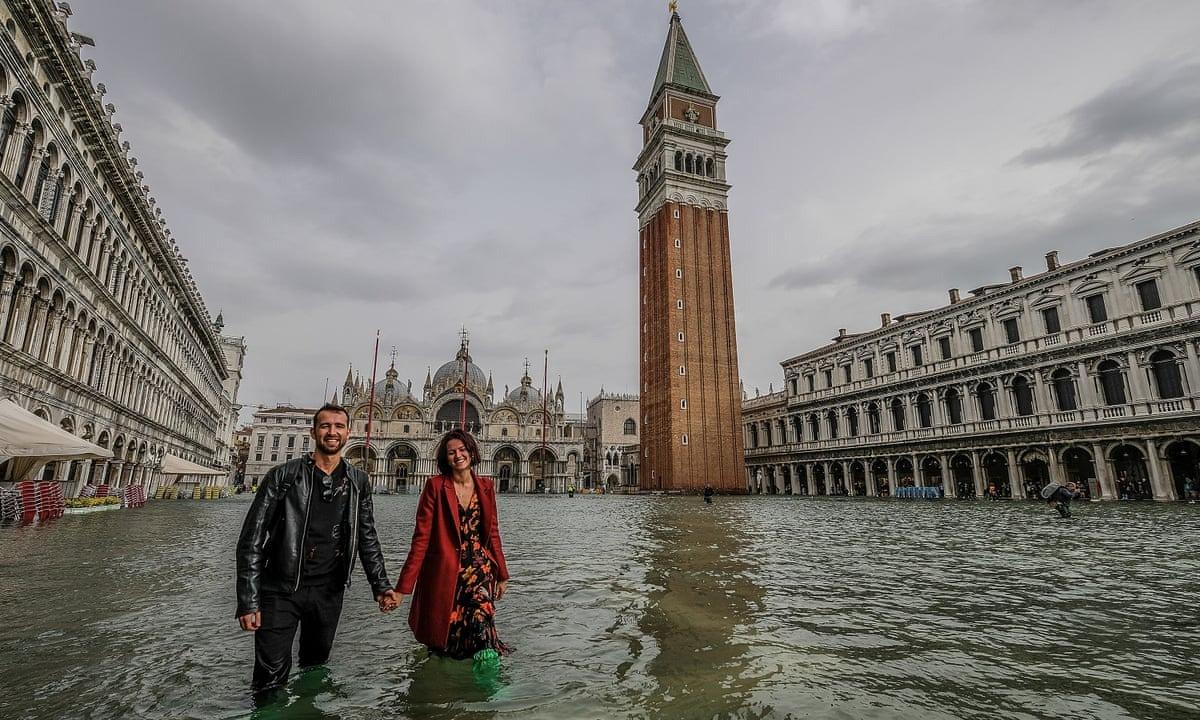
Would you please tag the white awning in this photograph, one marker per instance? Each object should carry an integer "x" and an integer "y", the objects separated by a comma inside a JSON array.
[
  {"x": 172, "y": 465},
  {"x": 30, "y": 442}
]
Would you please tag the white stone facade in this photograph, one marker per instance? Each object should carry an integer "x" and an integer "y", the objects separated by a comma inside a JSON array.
[
  {"x": 612, "y": 430},
  {"x": 1085, "y": 372},
  {"x": 102, "y": 329},
  {"x": 407, "y": 428}
]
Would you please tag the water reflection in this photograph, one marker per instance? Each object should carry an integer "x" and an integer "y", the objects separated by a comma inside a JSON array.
[
  {"x": 703, "y": 588},
  {"x": 439, "y": 687}
]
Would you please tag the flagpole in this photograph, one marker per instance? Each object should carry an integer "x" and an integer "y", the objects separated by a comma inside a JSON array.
[
  {"x": 371, "y": 408},
  {"x": 462, "y": 410},
  {"x": 545, "y": 380}
]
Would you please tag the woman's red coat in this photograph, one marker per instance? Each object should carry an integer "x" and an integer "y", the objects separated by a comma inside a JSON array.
[{"x": 432, "y": 565}]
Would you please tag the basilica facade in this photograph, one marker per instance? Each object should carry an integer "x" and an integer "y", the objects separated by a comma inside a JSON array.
[
  {"x": 527, "y": 441},
  {"x": 1085, "y": 372},
  {"x": 103, "y": 331}
]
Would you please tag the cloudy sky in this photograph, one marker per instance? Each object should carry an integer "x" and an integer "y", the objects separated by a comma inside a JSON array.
[{"x": 333, "y": 168}]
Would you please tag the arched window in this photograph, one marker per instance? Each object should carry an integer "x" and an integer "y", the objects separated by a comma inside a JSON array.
[
  {"x": 1064, "y": 390},
  {"x": 688, "y": 163},
  {"x": 873, "y": 419},
  {"x": 56, "y": 197},
  {"x": 897, "y": 414},
  {"x": 852, "y": 421},
  {"x": 1166, "y": 375},
  {"x": 708, "y": 167},
  {"x": 72, "y": 201},
  {"x": 1112, "y": 382},
  {"x": 832, "y": 418},
  {"x": 767, "y": 435},
  {"x": 678, "y": 159},
  {"x": 924, "y": 411},
  {"x": 753, "y": 435},
  {"x": 25, "y": 159},
  {"x": 814, "y": 427},
  {"x": 630, "y": 427},
  {"x": 953, "y": 406},
  {"x": 987, "y": 401},
  {"x": 1023, "y": 395}
]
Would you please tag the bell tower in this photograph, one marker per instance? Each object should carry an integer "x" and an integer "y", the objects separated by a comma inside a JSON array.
[{"x": 691, "y": 432}]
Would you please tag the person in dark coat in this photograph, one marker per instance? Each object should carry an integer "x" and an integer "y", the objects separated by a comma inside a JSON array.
[
  {"x": 310, "y": 519},
  {"x": 1061, "y": 498},
  {"x": 455, "y": 570}
]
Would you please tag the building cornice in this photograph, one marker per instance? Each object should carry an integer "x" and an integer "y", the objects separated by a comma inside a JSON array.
[{"x": 1008, "y": 292}]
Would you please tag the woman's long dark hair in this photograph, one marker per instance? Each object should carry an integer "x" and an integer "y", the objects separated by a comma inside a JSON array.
[{"x": 468, "y": 442}]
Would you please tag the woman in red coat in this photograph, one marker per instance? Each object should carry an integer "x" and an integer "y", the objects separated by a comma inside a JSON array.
[{"x": 456, "y": 564}]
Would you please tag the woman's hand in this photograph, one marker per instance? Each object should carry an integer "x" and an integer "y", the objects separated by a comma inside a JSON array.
[{"x": 501, "y": 588}]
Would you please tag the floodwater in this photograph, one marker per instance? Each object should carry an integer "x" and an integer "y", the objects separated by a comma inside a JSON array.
[{"x": 645, "y": 607}]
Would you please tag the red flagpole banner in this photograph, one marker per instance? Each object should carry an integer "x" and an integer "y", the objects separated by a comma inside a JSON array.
[
  {"x": 371, "y": 409},
  {"x": 545, "y": 376},
  {"x": 462, "y": 409}
]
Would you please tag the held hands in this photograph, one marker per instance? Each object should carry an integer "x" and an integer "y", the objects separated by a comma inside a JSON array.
[{"x": 389, "y": 601}]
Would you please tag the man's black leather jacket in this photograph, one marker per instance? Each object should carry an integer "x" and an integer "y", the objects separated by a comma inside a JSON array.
[{"x": 269, "y": 551}]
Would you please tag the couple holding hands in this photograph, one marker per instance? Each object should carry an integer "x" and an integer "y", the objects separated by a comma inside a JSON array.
[{"x": 313, "y": 515}]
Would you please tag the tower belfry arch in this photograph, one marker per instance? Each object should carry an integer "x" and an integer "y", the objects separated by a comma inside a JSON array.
[{"x": 691, "y": 402}]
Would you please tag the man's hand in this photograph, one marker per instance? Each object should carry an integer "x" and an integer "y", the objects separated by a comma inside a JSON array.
[
  {"x": 389, "y": 601},
  {"x": 251, "y": 621},
  {"x": 501, "y": 588}
]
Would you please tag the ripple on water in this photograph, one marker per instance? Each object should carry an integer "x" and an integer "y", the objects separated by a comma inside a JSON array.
[{"x": 645, "y": 607}]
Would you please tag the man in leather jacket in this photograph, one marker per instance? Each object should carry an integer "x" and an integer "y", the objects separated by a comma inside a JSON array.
[{"x": 296, "y": 552}]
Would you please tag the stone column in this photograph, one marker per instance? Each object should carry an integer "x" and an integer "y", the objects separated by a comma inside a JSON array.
[
  {"x": 83, "y": 357},
  {"x": 81, "y": 478},
  {"x": 35, "y": 161},
  {"x": 37, "y": 327},
  {"x": 6, "y": 304},
  {"x": 53, "y": 325},
  {"x": 1056, "y": 472},
  {"x": 948, "y": 488},
  {"x": 977, "y": 475},
  {"x": 1016, "y": 478},
  {"x": 891, "y": 467},
  {"x": 1139, "y": 391},
  {"x": 1163, "y": 488},
  {"x": 1085, "y": 386},
  {"x": 1108, "y": 489},
  {"x": 72, "y": 224},
  {"x": 21, "y": 311},
  {"x": 827, "y": 466},
  {"x": 1041, "y": 395}
]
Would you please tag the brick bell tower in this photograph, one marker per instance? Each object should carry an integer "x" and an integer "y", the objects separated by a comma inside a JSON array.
[{"x": 691, "y": 399}]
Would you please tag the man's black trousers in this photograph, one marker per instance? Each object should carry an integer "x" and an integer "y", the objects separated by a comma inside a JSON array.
[{"x": 315, "y": 610}]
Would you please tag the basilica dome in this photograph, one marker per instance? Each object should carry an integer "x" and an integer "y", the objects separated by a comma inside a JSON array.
[
  {"x": 452, "y": 372},
  {"x": 525, "y": 396}
]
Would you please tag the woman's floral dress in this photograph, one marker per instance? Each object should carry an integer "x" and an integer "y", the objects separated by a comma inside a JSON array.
[{"x": 472, "y": 621}]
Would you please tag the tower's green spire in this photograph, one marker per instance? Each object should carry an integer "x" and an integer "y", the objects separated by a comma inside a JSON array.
[{"x": 679, "y": 65}]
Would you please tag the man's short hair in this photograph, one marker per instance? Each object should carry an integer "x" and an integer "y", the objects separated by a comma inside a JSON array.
[{"x": 330, "y": 407}]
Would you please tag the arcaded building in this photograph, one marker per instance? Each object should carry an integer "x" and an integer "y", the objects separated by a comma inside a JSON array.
[
  {"x": 1085, "y": 372},
  {"x": 102, "y": 329},
  {"x": 690, "y": 389},
  {"x": 610, "y": 438}
]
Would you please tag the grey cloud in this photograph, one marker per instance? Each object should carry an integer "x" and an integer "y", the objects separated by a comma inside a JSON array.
[
  {"x": 419, "y": 166},
  {"x": 1152, "y": 105}
]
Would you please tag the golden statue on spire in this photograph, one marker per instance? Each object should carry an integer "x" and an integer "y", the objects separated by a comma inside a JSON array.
[{"x": 673, "y": 6}]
